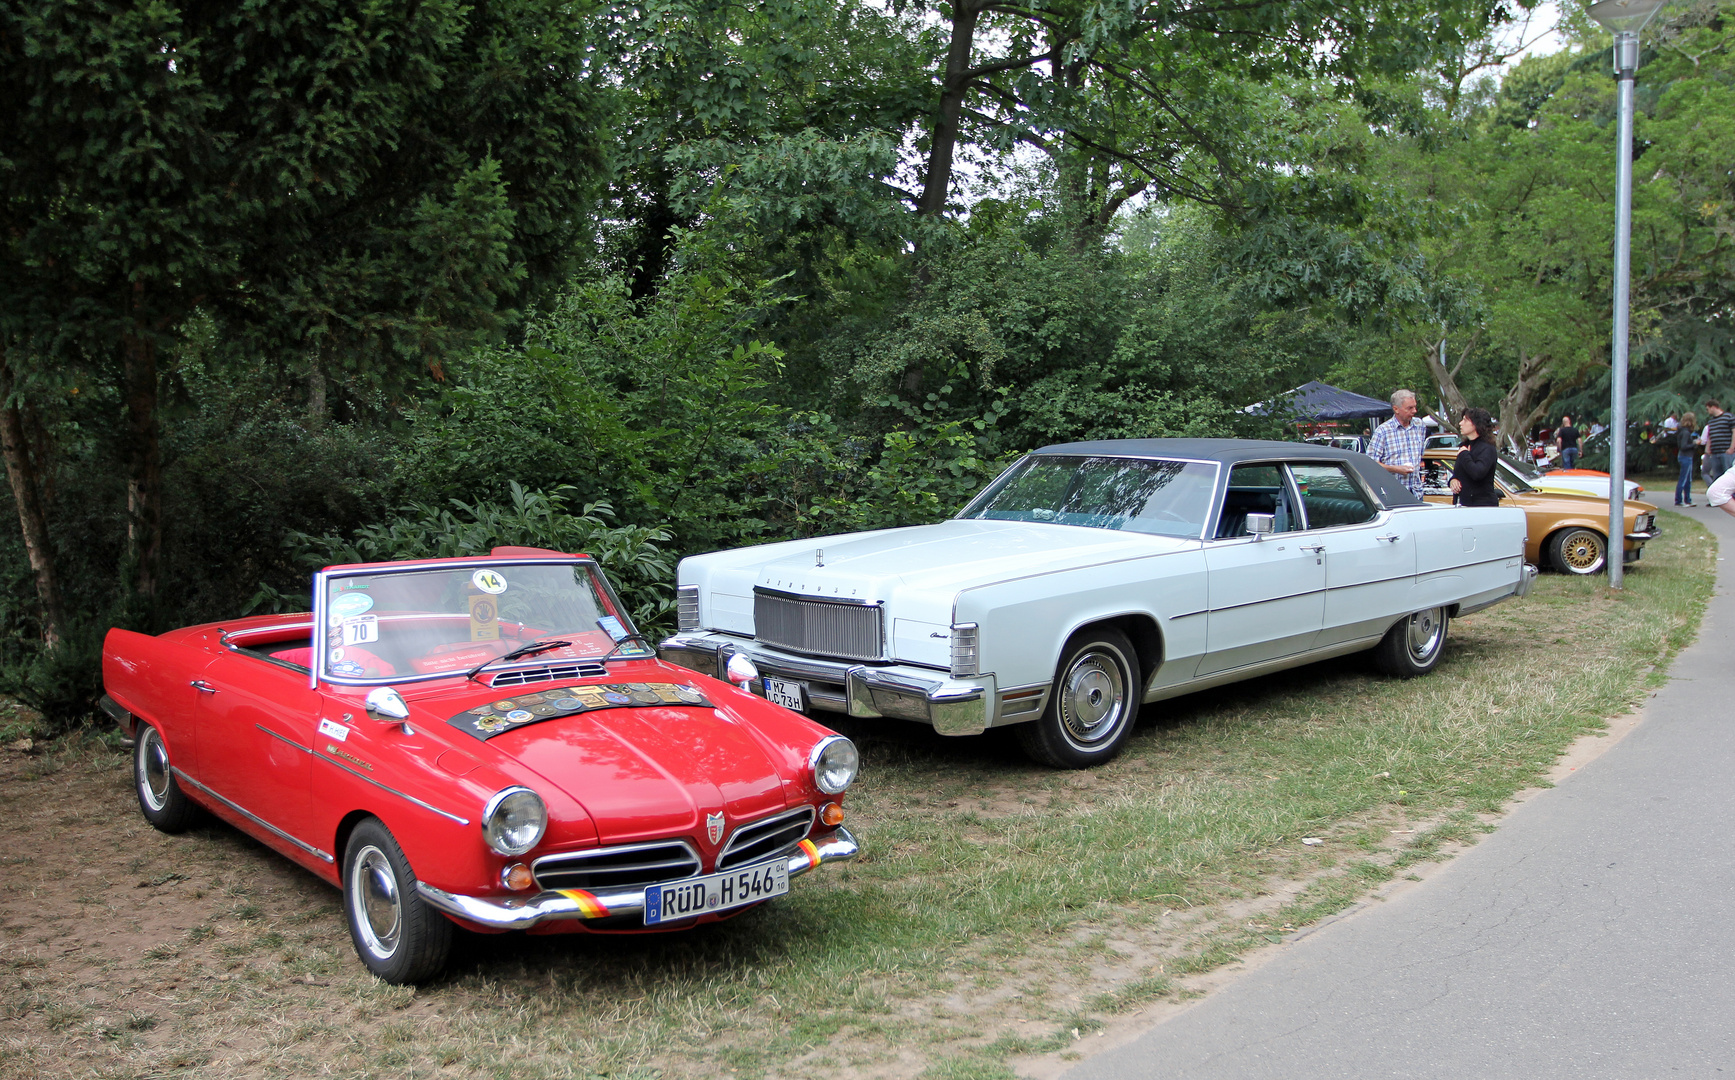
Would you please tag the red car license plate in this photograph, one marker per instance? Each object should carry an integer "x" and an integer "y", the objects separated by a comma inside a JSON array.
[{"x": 716, "y": 892}]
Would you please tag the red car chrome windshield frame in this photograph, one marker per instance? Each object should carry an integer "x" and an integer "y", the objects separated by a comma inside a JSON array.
[{"x": 321, "y": 589}]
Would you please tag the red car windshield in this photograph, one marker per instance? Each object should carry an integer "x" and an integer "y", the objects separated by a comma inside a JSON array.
[{"x": 447, "y": 620}]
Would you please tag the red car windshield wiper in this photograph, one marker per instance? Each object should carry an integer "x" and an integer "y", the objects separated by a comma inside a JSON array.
[{"x": 529, "y": 650}]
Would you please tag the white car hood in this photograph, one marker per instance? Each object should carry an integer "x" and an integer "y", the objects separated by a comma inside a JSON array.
[{"x": 915, "y": 572}]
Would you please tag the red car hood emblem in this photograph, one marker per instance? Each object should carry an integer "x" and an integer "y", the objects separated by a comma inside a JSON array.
[{"x": 714, "y": 827}]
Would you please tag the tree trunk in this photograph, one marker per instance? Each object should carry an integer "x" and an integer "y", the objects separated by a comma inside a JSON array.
[
  {"x": 1446, "y": 379},
  {"x": 1522, "y": 407},
  {"x": 316, "y": 409},
  {"x": 943, "y": 144},
  {"x": 25, "y": 474},
  {"x": 145, "y": 464}
]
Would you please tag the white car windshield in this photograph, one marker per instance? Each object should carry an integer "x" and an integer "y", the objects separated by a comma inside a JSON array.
[
  {"x": 447, "y": 620},
  {"x": 1510, "y": 476},
  {"x": 1166, "y": 498},
  {"x": 1522, "y": 468}
]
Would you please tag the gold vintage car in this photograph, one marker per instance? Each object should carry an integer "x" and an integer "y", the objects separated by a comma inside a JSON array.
[{"x": 1566, "y": 532}]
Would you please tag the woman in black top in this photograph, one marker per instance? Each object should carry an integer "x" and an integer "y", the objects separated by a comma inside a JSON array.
[{"x": 1473, "y": 478}]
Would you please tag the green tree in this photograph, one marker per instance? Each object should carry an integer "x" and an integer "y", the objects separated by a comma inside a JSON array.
[
  {"x": 1519, "y": 179},
  {"x": 359, "y": 185}
]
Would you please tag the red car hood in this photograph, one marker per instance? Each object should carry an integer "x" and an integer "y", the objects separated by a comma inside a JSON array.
[{"x": 641, "y": 772}]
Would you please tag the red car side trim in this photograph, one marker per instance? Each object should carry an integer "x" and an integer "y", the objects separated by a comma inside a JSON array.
[
  {"x": 250, "y": 816},
  {"x": 394, "y": 791}
]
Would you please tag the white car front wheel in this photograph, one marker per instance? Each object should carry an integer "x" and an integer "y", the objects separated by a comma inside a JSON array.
[{"x": 1091, "y": 707}]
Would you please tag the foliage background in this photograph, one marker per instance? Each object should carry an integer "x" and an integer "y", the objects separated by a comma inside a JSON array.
[{"x": 726, "y": 275}]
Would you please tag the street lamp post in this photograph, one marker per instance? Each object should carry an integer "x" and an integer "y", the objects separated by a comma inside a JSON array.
[{"x": 1623, "y": 18}]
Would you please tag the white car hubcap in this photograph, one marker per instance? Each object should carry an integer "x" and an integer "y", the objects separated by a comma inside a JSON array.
[{"x": 1092, "y": 698}]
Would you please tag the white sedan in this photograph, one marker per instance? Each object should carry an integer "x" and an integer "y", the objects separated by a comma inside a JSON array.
[{"x": 1091, "y": 579}]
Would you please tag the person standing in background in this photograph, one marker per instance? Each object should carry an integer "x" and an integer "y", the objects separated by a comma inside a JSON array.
[
  {"x": 1473, "y": 476},
  {"x": 1566, "y": 441},
  {"x": 1398, "y": 443},
  {"x": 1721, "y": 493},
  {"x": 1719, "y": 433},
  {"x": 1686, "y": 441}
]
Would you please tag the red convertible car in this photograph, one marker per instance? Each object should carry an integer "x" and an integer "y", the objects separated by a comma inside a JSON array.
[{"x": 484, "y": 742}]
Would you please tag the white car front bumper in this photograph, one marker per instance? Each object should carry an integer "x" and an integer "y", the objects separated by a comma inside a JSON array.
[{"x": 902, "y": 691}]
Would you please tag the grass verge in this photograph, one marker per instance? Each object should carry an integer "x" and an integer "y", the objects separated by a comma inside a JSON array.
[{"x": 1000, "y": 910}]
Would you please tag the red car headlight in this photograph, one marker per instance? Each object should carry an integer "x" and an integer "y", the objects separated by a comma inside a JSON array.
[
  {"x": 835, "y": 761},
  {"x": 513, "y": 820}
]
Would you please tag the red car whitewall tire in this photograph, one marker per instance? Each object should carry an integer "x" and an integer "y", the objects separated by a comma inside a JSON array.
[
  {"x": 396, "y": 933},
  {"x": 161, "y": 799}
]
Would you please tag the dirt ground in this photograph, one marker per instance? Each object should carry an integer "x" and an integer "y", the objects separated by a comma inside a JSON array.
[{"x": 128, "y": 953}]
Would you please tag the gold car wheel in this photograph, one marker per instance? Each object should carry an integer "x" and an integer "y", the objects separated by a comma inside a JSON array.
[{"x": 1580, "y": 551}]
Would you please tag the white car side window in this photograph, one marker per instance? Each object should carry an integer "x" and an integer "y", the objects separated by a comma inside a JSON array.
[
  {"x": 1330, "y": 497},
  {"x": 1256, "y": 489}
]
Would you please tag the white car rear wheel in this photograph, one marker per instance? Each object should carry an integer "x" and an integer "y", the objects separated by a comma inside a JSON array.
[{"x": 1414, "y": 644}]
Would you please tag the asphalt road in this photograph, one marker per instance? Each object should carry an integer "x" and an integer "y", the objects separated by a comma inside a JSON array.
[{"x": 1591, "y": 935}]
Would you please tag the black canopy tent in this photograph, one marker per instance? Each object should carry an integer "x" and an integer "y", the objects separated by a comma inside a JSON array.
[{"x": 1315, "y": 402}]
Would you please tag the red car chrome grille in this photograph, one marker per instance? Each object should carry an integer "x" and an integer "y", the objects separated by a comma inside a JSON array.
[
  {"x": 760, "y": 840},
  {"x": 622, "y": 867}
]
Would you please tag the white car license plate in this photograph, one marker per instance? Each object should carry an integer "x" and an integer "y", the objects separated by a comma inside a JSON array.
[
  {"x": 785, "y": 692},
  {"x": 716, "y": 892}
]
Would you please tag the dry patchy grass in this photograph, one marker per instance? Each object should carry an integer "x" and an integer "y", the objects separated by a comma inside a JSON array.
[{"x": 1001, "y": 909}]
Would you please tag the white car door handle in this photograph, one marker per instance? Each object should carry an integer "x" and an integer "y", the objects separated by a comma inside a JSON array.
[
  {"x": 1390, "y": 538},
  {"x": 1315, "y": 548}
]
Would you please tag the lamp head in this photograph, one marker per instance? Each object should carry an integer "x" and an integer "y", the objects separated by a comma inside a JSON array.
[{"x": 1625, "y": 16}]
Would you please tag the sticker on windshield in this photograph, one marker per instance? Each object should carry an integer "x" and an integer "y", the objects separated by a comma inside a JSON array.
[
  {"x": 489, "y": 581},
  {"x": 349, "y": 605},
  {"x": 484, "y": 617},
  {"x": 361, "y": 629},
  {"x": 612, "y": 627}
]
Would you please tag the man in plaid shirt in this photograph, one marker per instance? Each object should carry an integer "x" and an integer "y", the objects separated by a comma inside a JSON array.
[{"x": 1397, "y": 444}]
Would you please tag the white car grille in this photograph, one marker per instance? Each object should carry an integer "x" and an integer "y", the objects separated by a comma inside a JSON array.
[{"x": 819, "y": 627}]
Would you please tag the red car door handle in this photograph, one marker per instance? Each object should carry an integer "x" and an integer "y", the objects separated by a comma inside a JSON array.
[{"x": 202, "y": 686}]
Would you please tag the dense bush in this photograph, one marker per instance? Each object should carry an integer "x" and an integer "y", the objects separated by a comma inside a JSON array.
[{"x": 642, "y": 430}]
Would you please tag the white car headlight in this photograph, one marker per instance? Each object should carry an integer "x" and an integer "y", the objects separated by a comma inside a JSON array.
[
  {"x": 513, "y": 820},
  {"x": 835, "y": 762}
]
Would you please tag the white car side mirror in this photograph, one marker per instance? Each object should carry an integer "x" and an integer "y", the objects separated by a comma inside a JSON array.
[{"x": 1261, "y": 525}]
